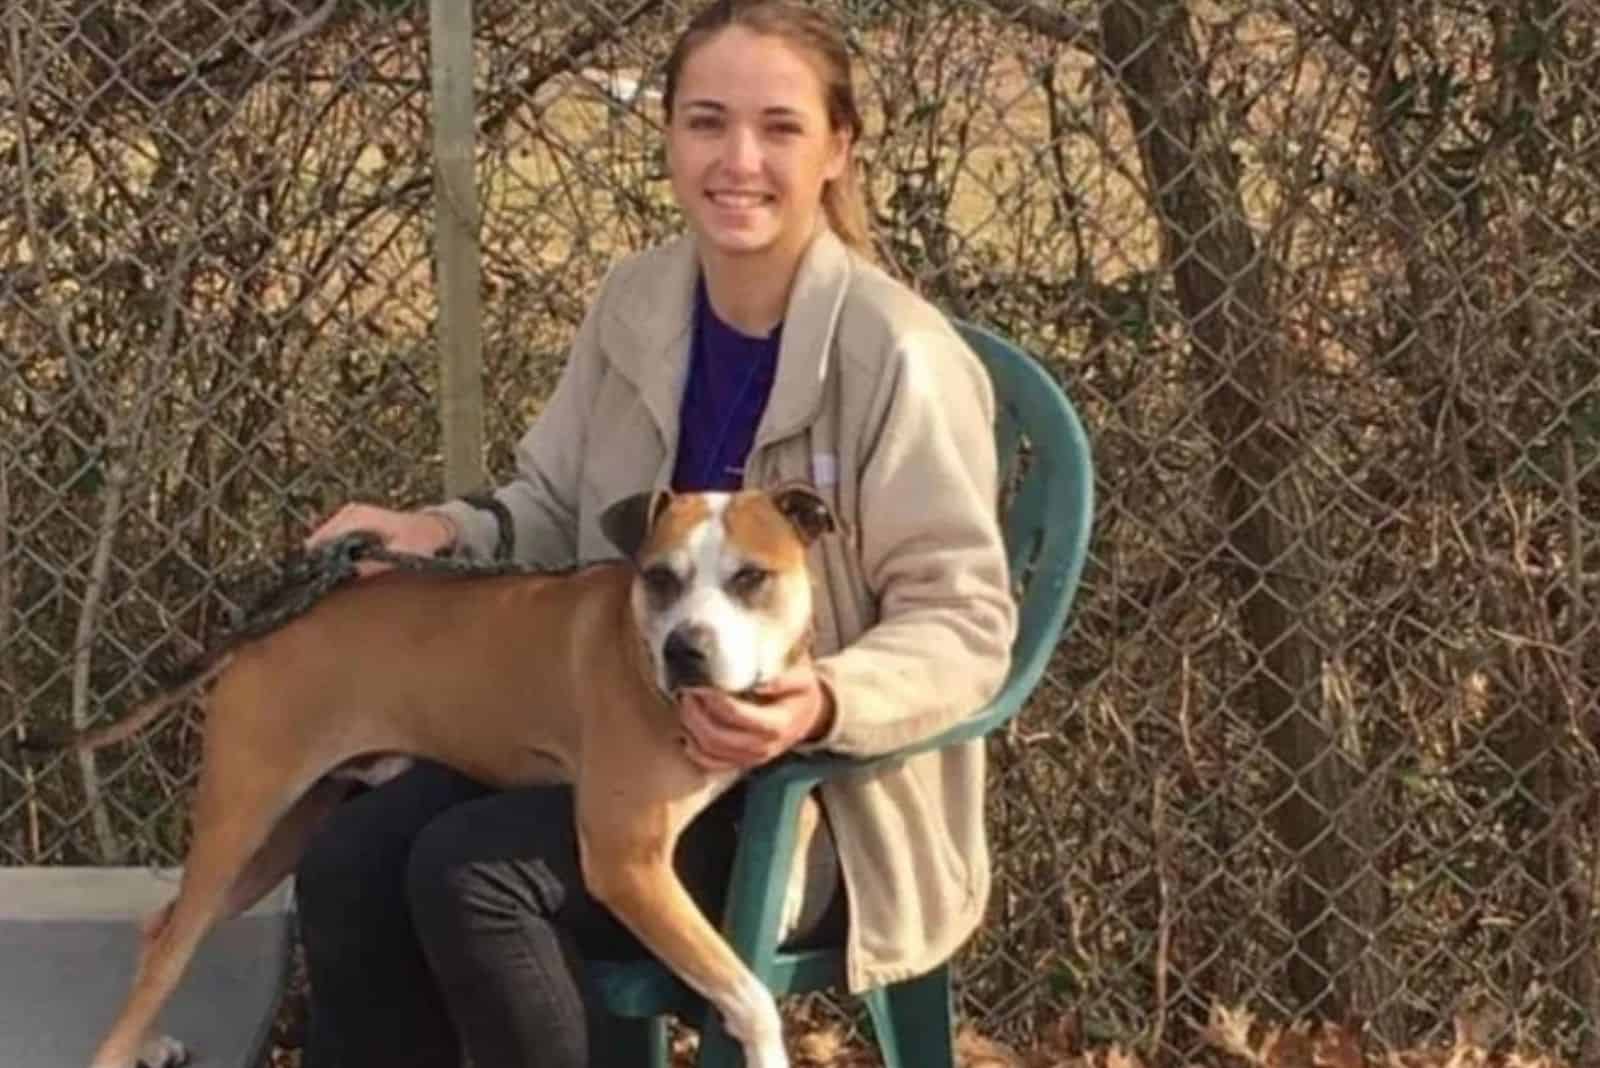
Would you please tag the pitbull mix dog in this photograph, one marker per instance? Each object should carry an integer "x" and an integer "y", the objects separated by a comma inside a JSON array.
[{"x": 514, "y": 680}]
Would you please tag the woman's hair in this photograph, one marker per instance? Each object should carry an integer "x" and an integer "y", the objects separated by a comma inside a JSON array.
[{"x": 811, "y": 32}]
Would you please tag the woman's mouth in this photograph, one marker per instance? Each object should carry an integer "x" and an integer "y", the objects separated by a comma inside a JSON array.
[{"x": 738, "y": 199}]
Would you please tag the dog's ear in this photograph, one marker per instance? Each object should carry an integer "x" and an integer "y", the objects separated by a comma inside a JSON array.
[
  {"x": 626, "y": 523},
  {"x": 805, "y": 509}
]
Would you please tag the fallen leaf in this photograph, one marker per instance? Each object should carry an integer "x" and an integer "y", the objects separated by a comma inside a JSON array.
[
  {"x": 1337, "y": 1046},
  {"x": 1288, "y": 1047},
  {"x": 975, "y": 1051},
  {"x": 1117, "y": 1057},
  {"x": 1229, "y": 1030},
  {"x": 819, "y": 1047}
]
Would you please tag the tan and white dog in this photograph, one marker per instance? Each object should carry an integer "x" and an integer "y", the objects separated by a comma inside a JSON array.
[{"x": 514, "y": 680}]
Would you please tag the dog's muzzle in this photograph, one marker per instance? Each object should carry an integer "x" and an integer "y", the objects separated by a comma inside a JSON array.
[{"x": 686, "y": 655}]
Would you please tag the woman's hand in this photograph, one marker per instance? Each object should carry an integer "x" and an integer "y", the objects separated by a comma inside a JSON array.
[
  {"x": 727, "y": 733},
  {"x": 423, "y": 533}
]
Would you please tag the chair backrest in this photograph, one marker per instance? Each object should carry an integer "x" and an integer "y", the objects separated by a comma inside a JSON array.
[{"x": 1047, "y": 506}]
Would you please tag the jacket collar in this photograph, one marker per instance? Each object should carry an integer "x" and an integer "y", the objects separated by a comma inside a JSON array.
[{"x": 653, "y": 323}]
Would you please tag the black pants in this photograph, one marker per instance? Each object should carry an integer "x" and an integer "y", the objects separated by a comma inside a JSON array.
[{"x": 440, "y": 916}]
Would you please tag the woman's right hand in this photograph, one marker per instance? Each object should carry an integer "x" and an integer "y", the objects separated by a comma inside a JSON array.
[{"x": 423, "y": 533}]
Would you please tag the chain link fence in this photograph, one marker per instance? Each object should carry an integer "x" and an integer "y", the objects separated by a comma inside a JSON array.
[{"x": 1322, "y": 276}]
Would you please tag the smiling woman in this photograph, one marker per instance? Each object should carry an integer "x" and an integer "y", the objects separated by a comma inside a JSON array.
[
  {"x": 762, "y": 348},
  {"x": 791, "y": 35},
  {"x": 756, "y": 151}
]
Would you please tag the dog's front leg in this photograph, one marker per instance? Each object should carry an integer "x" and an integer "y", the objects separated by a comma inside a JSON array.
[
  {"x": 630, "y": 815},
  {"x": 636, "y": 881}
]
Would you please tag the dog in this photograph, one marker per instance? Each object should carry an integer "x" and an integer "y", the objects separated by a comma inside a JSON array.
[{"x": 514, "y": 680}]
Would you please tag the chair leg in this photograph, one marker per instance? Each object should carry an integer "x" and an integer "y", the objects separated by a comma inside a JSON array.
[
  {"x": 641, "y": 1041},
  {"x": 914, "y": 1023},
  {"x": 718, "y": 1049}
]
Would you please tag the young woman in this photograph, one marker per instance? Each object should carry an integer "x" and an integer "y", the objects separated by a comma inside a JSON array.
[{"x": 762, "y": 346}]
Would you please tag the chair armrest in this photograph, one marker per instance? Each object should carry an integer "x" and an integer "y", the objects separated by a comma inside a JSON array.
[
  {"x": 1052, "y": 589},
  {"x": 766, "y": 846}
]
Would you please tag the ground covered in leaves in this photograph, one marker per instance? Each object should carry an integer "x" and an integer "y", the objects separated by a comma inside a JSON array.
[{"x": 1235, "y": 1038}]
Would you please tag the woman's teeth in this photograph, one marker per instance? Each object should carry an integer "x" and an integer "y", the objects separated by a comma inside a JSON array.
[{"x": 742, "y": 200}]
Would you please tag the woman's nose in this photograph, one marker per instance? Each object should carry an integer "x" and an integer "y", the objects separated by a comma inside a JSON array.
[{"x": 742, "y": 151}]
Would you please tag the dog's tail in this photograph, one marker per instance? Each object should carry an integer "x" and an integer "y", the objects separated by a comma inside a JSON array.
[{"x": 129, "y": 725}]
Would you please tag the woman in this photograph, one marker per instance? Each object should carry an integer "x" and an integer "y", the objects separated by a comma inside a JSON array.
[{"x": 762, "y": 346}]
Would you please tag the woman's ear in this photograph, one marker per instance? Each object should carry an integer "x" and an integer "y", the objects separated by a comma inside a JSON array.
[{"x": 839, "y": 159}]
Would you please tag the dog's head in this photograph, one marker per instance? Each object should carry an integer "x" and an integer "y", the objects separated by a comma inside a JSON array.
[{"x": 721, "y": 592}]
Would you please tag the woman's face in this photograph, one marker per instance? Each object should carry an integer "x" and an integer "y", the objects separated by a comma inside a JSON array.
[{"x": 749, "y": 145}]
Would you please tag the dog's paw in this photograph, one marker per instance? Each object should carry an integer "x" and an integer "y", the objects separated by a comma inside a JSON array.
[
  {"x": 162, "y": 1051},
  {"x": 767, "y": 1057}
]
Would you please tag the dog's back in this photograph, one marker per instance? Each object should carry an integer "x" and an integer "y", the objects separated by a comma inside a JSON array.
[{"x": 389, "y": 664}]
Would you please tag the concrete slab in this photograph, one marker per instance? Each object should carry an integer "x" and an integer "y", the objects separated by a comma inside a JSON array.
[{"x": 68, "y": 937}]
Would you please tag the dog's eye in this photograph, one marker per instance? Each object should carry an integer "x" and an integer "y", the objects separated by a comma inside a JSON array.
[
  {"x": 660, "y": 582},
  {"x": 748, "y": 580}
]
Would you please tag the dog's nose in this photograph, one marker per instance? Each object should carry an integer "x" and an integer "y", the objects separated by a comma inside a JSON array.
[{"x": 687, "y": 661}]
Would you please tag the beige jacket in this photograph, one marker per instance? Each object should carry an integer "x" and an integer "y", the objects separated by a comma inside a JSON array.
[{"x": 880, "y": 404}]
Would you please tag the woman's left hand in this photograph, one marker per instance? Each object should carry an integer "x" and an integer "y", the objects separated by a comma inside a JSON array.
[{"x": 727, "y": 733}]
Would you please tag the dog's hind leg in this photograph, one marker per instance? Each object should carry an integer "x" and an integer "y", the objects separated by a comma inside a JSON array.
[
  {"x": 274, "y": 860},
  {"x": 209, "y": 874},
  {"x": 236, "y": 808},
  {"x": 285, "y": 845}
]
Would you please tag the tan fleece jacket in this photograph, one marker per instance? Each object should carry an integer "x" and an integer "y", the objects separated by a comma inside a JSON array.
[{"x": 881, "y": 405}]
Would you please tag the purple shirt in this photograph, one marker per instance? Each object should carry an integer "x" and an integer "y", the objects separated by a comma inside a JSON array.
[{"x": 730, "y": 377}]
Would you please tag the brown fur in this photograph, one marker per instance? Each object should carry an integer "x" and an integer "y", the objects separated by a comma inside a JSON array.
[{"x": 513, "y": 680}]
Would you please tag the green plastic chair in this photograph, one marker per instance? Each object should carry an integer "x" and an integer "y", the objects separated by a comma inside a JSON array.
[{"x": 1046, "y": 513}]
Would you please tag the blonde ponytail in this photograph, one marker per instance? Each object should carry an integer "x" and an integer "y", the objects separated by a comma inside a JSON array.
[{"x": 846, "y": 208}]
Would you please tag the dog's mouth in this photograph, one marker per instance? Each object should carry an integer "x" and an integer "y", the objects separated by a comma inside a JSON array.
[{"x": 754, "y": 694}]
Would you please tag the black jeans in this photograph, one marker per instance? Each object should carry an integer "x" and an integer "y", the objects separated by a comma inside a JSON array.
[{"x": 440, "y": 916}]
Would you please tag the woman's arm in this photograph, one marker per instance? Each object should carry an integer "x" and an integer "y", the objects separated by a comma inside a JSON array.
[
  {"x": 932, "y": 553},
  {"x": 542, "y": 498}
]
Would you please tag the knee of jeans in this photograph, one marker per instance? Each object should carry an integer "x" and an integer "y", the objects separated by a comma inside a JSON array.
[
  {"x": 443, "y": 884},
  {"x": 448, "y": 888}
]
